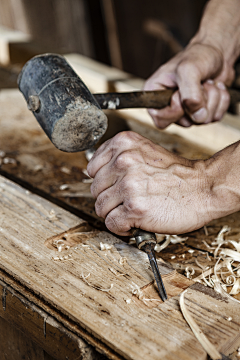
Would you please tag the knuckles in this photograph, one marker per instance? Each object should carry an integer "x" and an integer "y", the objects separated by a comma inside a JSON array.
[{"x": 124, "y": 160}]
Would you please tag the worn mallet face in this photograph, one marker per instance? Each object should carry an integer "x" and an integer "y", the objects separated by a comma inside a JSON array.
[{"x": 61, "y": 103}]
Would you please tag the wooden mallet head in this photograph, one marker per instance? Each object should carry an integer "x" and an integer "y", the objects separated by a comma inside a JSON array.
[{"x": 61, "y": 103}]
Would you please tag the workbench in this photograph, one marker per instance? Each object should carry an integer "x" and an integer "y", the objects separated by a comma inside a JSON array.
[{"x": 78, "y": 303}]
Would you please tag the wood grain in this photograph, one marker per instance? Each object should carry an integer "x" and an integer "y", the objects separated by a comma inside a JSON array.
[{"x": 131, "y": 331}]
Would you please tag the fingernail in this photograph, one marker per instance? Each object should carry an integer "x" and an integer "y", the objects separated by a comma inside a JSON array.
[
  {"x": 200, "y": 116},
  {"x": 221, "y": 85},
  {"x": 210, "y": 81}
]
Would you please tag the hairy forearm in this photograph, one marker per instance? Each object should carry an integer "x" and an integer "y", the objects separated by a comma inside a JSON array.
[
  {"x": 220, "y": 28},
  {"x": 223, "y": 170}
]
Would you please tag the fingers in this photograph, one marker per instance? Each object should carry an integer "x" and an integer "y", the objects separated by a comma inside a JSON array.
[
  {"x": 223, "y": 103},
  {"x": 124, "y": 140},
  {"x": 108, "y": 200},
  {"x": 98, "y": 161},
  {"x": 164, "y": 117},
  {"x": 118, "y": 222}
]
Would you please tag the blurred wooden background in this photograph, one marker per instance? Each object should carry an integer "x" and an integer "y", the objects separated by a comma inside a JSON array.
[{"x": 136, "y": 36}]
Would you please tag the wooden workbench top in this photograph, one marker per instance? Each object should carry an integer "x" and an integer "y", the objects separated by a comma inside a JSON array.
[{"x": 92, "y": 288}]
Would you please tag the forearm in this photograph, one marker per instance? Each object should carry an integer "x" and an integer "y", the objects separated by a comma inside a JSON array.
[
  {"x": 223, "y": 171},
  {"x": 220, "y": 28}
]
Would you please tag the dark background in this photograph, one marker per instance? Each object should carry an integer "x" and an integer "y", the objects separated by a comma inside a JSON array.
[{"x": 135, "y": 35}]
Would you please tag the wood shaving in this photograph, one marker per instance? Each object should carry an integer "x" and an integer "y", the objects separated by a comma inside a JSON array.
[
  {"x": 159, "y": 247},
  {"x": 115, "y": 272},
  {"x": 87, "y": 181},
  {"x": 86, "y": 173},
  {"x": 205, "y": 230},
  {"x": 231, "y": 253},
  {"x": 62, "y": 258},
  {"x": 52, "y": 215},
  {"x": 93, "y": 286},
  {"x": 175, "y": 239},
  {"x": 8, "y": 160},
  {"x": 122, "y": 260},
  {"x": 189, "y": 272},
  {"x": 38, "y": 167},
  {"x": 201, "y": 266},
  {"x": 136, "y": 290},
  {"x": 105, "y": 246},
  {"x": 220, "y": 237},
  {"x": 65, "y": 170},
  {"x": 207, "y": 245},
  {"x": 64, "y": 187},
  {"x": 206, "y": 344}
]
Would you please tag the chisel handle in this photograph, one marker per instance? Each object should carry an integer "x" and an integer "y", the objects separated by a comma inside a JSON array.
[
  {"x": 142, "y": 237},
  {"x": 145, "y": 99}
]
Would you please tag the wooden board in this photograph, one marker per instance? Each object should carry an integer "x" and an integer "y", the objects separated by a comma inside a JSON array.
[{"x": 132, "y": 331}]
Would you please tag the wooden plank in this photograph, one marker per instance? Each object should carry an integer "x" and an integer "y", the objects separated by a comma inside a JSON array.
[
  {"x": 98, "y": 77},
  {"x": 8, "y": 36},
  {"x": 38, "y": 332},
  {"x": 15, "y": 346},
  {"x": 133, "y": 331}
]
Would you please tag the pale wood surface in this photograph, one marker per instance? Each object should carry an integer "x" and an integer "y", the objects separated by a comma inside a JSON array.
[{"x": 133, "y": 331}]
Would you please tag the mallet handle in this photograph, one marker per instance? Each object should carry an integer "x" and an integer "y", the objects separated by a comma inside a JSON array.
[
  {"x": 145, "y": 99},
  {"x": 136, "y": 99}
]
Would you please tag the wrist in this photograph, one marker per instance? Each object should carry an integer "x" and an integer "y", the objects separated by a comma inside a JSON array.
[
  {"x": 223, "y": 173},
  {"x": 220, "y": 28}
]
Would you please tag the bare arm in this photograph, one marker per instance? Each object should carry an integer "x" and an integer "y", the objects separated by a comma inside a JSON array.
[{"x": 202, "y": 70}]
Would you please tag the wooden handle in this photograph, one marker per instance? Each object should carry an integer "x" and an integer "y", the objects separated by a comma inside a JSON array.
[
  {"x": 145, "y": 99},
  {"x": 142, "y": 237},
  {"x": 138, "y": 99}
]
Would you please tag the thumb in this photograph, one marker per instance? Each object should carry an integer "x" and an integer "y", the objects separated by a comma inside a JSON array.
[{"x": 192, "y": 94}]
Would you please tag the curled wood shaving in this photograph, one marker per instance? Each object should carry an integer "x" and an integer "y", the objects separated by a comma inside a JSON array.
[
  {"x": 136, "y": 290},
  {"x": 201, "y": 266},
  {"x": 93, "y": 286},
  {"x": 220, "y": 237},
  {"x": 122, "y": 260},
  {"x": 189, "y": 272},
  {"x": 206, "y": 344},
  {"x": 231, "y": 253},
  {"x": 159, "y": 247},
  {"x": 236, "y": 288},
  {"x": 207, "y": 245},
  {"x": 175, "y": 239}
]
